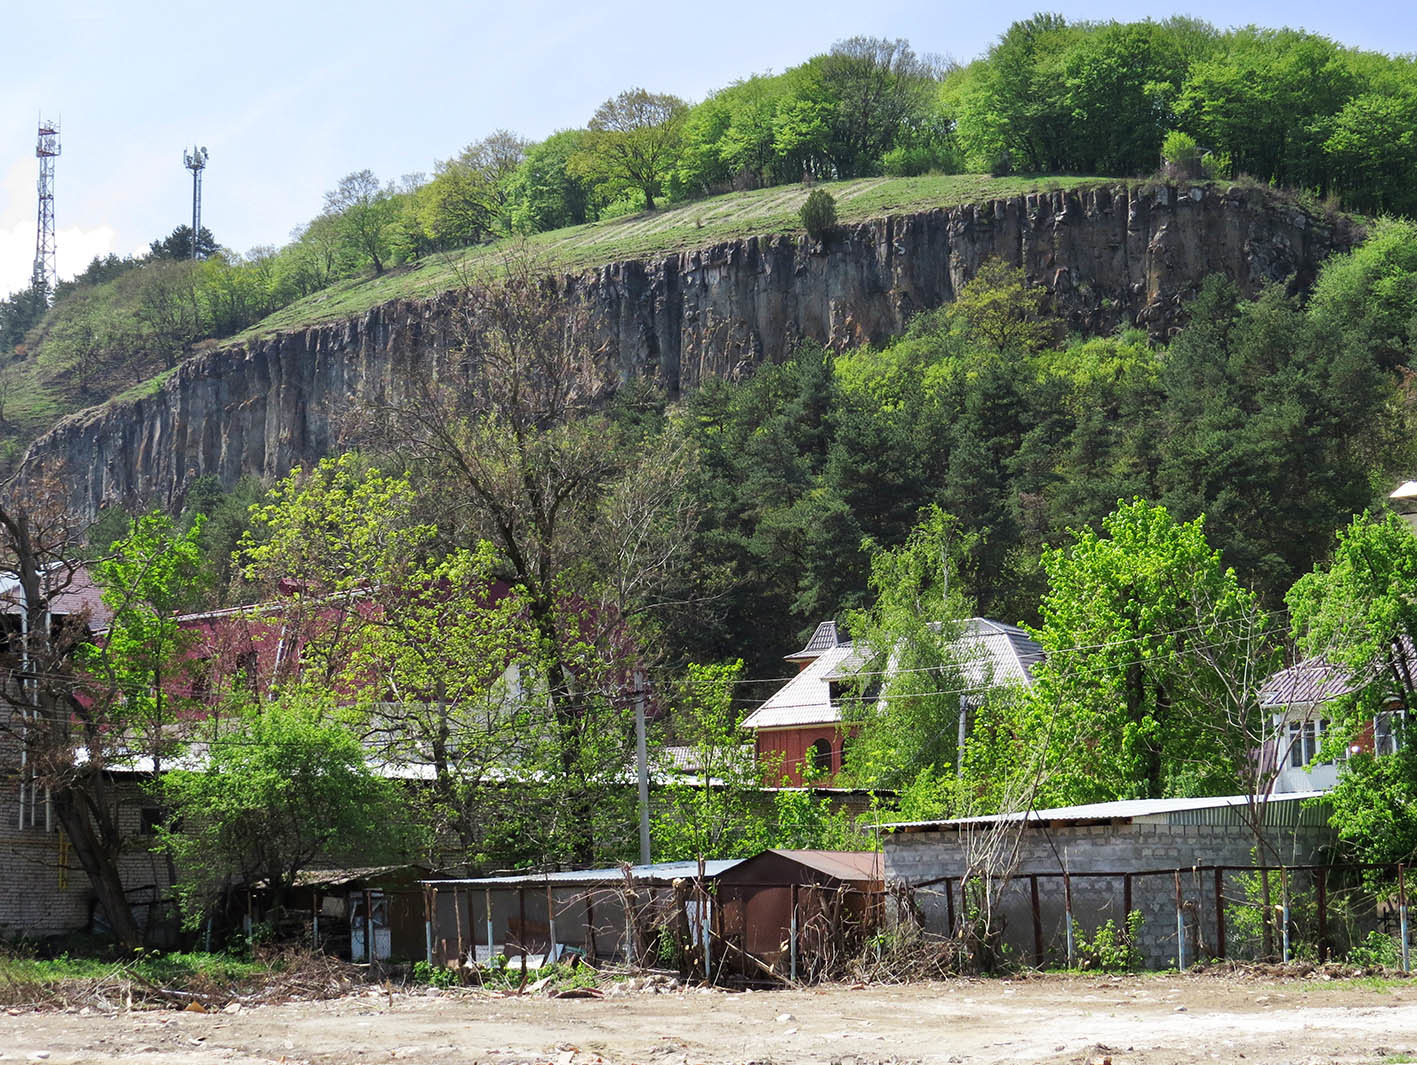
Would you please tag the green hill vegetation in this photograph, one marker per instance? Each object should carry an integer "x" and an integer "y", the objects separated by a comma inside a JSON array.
[{"x": 887, "y": 128}]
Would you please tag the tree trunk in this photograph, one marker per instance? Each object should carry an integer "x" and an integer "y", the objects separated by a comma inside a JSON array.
[{"x": 100, "y": 867}]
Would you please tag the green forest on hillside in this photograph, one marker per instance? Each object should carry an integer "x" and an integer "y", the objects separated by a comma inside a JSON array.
[{"x": 1174, "y": 523}]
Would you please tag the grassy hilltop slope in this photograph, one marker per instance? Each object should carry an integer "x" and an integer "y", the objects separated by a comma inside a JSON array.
[{"x": 673, "y": 229}]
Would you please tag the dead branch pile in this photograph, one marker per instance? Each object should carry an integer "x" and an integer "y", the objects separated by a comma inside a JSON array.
[{"x": 903, "y": 949}]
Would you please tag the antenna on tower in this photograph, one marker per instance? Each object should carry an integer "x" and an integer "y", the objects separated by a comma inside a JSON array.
[
  {"x": 196, "y": 161},
  {"x": 46, "y": 150}
]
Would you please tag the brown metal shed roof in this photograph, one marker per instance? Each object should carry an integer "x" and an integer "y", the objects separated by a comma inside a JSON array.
[{"x": 837, "y": 865}]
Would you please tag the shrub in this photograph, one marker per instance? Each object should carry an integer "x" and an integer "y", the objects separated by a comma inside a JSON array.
[
  {"x": 1181, "y": 156},
  {"x": 1112, "y": 949},
  {"x": 818, "y": 214},
  {"x": 1377, "y": 951},
  {"x": 433, "y": 975}
]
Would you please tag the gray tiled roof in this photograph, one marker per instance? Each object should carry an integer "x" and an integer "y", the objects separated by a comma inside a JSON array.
[
  {"x": 995, "y": 654},
  {"x": 826, "y": 637},
  {"x": 1316, "y": 680}
]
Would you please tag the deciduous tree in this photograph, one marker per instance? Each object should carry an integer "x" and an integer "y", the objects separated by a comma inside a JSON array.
[{"x": 634, "y": 141}]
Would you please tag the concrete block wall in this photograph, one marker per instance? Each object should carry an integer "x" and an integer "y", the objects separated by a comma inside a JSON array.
[{"x": 1154, "y": 849}]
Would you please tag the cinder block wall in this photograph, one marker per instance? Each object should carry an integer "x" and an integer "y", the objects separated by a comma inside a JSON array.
[
  {"x": 44, "y": 891},
  {"x": 1156, "y": 849}
]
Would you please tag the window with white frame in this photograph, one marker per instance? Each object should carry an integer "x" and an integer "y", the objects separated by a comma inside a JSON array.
[
  {"x": 1305, "y": 739},
  {"x": 1388, "y": 729}
]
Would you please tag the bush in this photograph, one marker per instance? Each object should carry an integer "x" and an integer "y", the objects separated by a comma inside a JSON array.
[
  {"x": 433, "y": 975},
  {"x": 1181, "y": 156},
  {"x": 1112, "y": 949},
  {"x": 818, "y": 214},
  {"x": 914, "y": 160},
  {"x": 1377, "y": 951}
]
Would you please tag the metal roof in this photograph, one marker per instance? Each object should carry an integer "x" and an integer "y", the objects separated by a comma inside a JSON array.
[
  {"x": 655, "y": 873},
  {"x": 994, "y": 653},
  {"x": 1167, "y": 811},
  {"x": 1316, "y": 680},
  {"x": 824, "y": 638},
  {"x": 340, "y": 877},
  {"x": 841, "y": 865},
  {"x": 805, "y": 699}
]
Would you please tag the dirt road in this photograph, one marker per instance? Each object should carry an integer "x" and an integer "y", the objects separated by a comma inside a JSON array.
[{"x": 1057, "y": 1020}]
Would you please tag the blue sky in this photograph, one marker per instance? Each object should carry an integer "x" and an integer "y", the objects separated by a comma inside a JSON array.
[{"x": 290, "y": 96}]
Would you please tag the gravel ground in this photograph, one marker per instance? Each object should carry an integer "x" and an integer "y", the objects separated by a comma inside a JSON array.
[{"x": 1056, "y": 1019}]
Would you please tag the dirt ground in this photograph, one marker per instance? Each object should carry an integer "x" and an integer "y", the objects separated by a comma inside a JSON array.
[{"x": 1057, "y": 1019}]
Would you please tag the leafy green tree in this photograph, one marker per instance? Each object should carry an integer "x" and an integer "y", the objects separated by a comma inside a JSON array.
[
  {"x": 88, "y": 706},
  {"x": 1264, "y": 101},
  {"x": 1013, "y": 104},
  {"x": 718, "y": 814},
  {"x": 1121, "y": 80},
  {"x": 544, "y": 192},
  {"x": 284, "y": 784},
  {"x": 1150, "y": 645},
  {"x": 633, "y": 141},
  {"x": 585, "y": 535},
  {"x": 365, "y": 211},
  {"x": 335, "y": 533},
  {"x": 1001, "y": 312},
  {"x": 469, "y": 199},
  {"x": 1357, "y": 612},
  {"x": 877, "y": 89},
  {"x": 1372, "y": 144},
  {"x": 141, "y": 667},
  {"x": 910, "y": 707}
]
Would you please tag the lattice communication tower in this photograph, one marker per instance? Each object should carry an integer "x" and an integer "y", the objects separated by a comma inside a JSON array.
[
  {"x": 196, "y": 161},
  {"x": 46, "y": 149}
]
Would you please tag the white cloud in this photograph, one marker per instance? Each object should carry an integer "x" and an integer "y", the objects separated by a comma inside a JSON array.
[{"x": 74, "y": 250}]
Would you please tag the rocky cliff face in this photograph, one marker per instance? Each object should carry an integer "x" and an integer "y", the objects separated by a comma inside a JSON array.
[{"x": 1109, "y": 255}]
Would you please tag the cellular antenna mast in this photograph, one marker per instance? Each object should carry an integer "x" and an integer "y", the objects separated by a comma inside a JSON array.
[
  {"x": 46, "y": 150},
  {"x": 196, "y": 161}
]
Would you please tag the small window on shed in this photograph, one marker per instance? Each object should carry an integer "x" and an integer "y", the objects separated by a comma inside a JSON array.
[{"x": 821, "y": 755}]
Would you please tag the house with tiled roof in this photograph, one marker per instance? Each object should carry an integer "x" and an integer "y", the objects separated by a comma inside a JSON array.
[
  {"x": 1297, "y": 701},
  {"x": 801, "y": 723}
]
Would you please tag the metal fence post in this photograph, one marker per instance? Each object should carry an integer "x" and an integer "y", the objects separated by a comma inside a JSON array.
[
  {"x": 1284, "y": 908},
  {"x": 1402, "y": 914},
  {"x": 792, "y": 934},
  {"x": 430, "y": 907},
  {"x": 1180, "y": 927},
  {"x": 1220, "y": 913},
  {"x": 489, "y": 927},
  {"x": 1068, "y": 919},
  {"x": 1038, "y": 958}
]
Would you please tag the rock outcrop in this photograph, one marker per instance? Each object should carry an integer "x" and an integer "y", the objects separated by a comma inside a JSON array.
[{"x": 1110, "y": 255}]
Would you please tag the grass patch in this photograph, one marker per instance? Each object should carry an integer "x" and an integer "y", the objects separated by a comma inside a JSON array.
[
  {"x": 677, "y": 228},
  {"x": 176, "y": 970}
]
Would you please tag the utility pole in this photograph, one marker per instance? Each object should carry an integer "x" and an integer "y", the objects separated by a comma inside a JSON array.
[
  {"x": 46, "y": 149},
  {"x": 642, "y": 758},
  {"x": 196, "y": 161}
]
